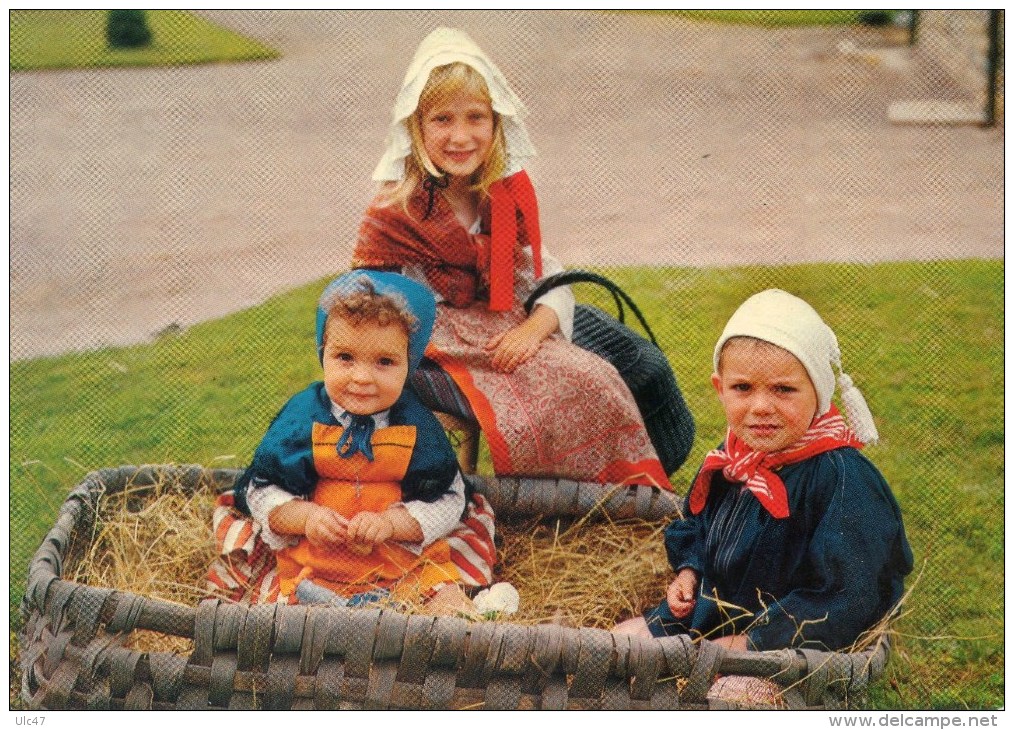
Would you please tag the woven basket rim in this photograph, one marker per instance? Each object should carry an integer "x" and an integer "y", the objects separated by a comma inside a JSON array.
[{"x": 807, "y": 675}]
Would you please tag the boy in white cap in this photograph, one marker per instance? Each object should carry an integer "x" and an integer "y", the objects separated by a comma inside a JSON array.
[{"x": 791, "y": 537}]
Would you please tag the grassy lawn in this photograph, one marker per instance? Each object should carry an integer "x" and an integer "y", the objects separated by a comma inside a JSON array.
[
  {"x": 44, "y": 39},
  {"x": 924, "y": 341}
]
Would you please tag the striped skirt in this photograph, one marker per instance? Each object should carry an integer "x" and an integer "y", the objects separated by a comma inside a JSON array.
[{"x": 245, "y": 571}]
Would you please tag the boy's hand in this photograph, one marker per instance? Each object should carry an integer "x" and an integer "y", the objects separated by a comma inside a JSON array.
[
  {"x": 325, "y": 528},
  {"x": 370, "y": 528},
  {"x": 682, "y": 593},
  {"x": 518, "y": 344}
]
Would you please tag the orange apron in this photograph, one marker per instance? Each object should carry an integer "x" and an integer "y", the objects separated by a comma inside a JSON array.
[{"x": 350, "y": 486}]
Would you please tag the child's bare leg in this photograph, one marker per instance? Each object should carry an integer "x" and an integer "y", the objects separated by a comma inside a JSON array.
[
  {"x": 450, "y": 600},
  {"x": 636, "y": 626}
]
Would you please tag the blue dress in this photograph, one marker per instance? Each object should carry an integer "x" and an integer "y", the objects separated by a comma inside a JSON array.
[{"x": 816, "y": 579}]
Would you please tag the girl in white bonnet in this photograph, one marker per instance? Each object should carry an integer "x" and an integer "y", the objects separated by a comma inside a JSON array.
[
  {"x": 457, "y": 211},
  {"x": 791, "y": 537}
]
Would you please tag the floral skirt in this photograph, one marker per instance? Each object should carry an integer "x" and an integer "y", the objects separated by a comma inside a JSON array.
[{"x": 565, "y": 413}]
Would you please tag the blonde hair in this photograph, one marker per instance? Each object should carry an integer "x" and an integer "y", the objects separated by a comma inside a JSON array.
[{"x": 443, "y": 82}]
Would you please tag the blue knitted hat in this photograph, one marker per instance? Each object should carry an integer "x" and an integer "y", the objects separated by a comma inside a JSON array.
[{"x": 414, "y": 297}]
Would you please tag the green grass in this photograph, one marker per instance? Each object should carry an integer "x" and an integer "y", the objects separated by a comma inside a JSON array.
[
  {"x": 49, "y": 39},
  {"x": 775, "y": 18},
  {"x": 924, "y": 341}
]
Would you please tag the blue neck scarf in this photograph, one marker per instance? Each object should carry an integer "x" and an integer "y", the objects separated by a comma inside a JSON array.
[{"x": 356, "y": 437}]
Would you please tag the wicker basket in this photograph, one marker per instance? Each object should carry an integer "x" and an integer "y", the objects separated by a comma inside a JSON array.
[{"x": 73, "y": 653}]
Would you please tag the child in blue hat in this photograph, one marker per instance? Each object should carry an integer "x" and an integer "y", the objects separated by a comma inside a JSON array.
[{"x": 355, "y": 487}]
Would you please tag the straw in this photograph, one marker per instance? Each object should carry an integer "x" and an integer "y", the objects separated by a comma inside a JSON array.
[{"x": 156, "y": 541}]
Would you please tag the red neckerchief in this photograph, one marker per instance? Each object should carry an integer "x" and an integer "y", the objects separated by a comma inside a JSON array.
[
  {"x": 508, "y": 196},
  {"x": 739, "y": 463}
]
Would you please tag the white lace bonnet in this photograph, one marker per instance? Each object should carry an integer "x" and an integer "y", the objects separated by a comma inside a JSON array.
[{"x": 439, "y": 48}]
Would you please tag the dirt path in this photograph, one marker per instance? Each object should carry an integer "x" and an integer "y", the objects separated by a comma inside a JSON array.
[{"x": 149, "y": 198}]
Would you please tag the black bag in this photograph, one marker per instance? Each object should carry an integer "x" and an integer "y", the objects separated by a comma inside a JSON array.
[{"x": 640, "y": 362}]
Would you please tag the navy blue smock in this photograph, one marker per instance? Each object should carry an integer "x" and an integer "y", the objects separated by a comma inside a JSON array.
[{"x": 816, "y": 579}]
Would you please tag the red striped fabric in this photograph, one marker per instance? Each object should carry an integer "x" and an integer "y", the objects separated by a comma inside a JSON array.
[
  {"x": 755, "y": 469},
  {"x": 244, "y": 570}
]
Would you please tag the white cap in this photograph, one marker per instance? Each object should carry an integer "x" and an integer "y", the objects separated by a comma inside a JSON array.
[
  {"x": 790, "y": 323},
  {"x": 441, "y": 47}
]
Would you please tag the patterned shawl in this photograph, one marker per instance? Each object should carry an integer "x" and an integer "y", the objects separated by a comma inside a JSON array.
[{"x": 462, "y": 267}]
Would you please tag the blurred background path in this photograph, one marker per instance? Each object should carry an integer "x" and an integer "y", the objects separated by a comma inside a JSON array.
[{"x": 147, "y": 199}]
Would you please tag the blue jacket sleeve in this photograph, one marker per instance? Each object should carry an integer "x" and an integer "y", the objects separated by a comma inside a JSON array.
[
  {"x": 684, "y": 541},
  {"x": 854, "y": 565},
  {"x": 433, "y": 466},
  {"x": 285, "y": 454}
]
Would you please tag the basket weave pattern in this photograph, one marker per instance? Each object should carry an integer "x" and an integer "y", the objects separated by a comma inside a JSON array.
[{"x": 313, "y": 657}]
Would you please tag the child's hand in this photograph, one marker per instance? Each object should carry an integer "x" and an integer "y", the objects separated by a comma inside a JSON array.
[
  {"x": 518, "y": 344},
  {"x": 512, "y": 348},
  {"x": 325, "y": 528},
  {"x": 370, "y": 528},
  {"x": 682, "y": 593}
]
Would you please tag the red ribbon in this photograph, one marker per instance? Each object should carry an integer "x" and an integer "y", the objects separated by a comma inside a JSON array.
[{"x": 508, "y": 196}]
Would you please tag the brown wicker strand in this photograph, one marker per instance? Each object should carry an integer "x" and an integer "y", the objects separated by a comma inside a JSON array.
[{"x": 564, "y": 498}]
